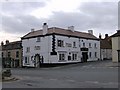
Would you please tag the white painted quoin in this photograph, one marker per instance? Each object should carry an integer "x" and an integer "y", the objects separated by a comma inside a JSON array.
[{"x": 57, "y": 46}]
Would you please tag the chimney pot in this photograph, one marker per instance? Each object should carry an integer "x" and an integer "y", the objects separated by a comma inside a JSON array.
[
  {"x": 106, "y": 35},
  {"x": 100, "y": 36},
  {"x": 7, "y": 41},
  {"x": 45, "y": 28},
  {"x": 44, "y": 23},
  {"x": 2, "y": 43},
  {"x": 90, "y": 31},
  {"x": 32, "y": 30},
  {"x": 71, "y": 28}
]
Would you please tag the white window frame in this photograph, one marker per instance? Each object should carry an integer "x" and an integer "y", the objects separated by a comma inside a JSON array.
[
  {"x": 95, "y": 45},
  {"x": 27, "y": 49},
  {"x": 90, "y": 45},
  {"x": 74, "y": 44},
  {"x": 27, "y": 61},
  {"x": 95, "y": 54},
  {"x": 61, "y": 56},
  {"x": 90, "y": 54},
  {"x": 74, "y": 56},
  {"x": 60, "y": 43},
  {"x": 38, "y": 39}
]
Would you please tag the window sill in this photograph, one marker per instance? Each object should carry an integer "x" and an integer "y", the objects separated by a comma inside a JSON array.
[{"x": 62, "y": 61}]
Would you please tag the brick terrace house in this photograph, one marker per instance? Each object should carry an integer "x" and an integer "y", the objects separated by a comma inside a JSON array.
[
  {"x": 59, "y": 46},
  {"x": 12, "y": 54}
]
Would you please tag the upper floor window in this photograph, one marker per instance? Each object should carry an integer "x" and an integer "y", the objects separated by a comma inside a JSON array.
[
  {"x": 83, "y": 44},
  {"x": 38, "y": 39},
  {"x": 17, "y": 54},
  {"x": 2, "y": 54},
  {"x": 60, "y": 43},
  {"x": 90, "y": 45},
  {"x": 95, "y": 45},
  {"x": 27, "y": 49},
  {"x": 9, "y": 54},
  {"x": 74, "y": 44}
]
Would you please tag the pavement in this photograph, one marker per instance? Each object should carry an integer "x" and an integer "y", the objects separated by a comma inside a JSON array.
[
  {"x": 108, "y": 64},
  {"x": 99, "y": 74},
  {"x": 12, "y": 78},
  {"x": 113, "y": 64}
]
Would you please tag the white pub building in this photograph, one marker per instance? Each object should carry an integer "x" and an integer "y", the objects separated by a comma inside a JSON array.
[{"x": 59, "y": 46}]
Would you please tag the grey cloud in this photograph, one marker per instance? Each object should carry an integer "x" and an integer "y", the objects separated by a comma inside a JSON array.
[
  {"x": 19, "y": 24},
  {"x": 104, "y": 15},
  {"x": 98, "y": 16},
  {"x": 20, "y": 8}
]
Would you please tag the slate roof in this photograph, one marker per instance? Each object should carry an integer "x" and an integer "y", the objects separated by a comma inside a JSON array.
[
  {"x": 116, "y": 34},
  {"x": 12, "y": 45},
  {"x": 106, "y": 43},
  {"x": 60, "y": 31}
]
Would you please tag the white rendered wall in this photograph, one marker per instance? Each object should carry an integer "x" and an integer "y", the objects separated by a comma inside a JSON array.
[{"x": 46, "y": 48}]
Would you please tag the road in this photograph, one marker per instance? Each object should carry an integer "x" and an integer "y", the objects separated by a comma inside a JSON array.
[{"x": 81, "y": 75}]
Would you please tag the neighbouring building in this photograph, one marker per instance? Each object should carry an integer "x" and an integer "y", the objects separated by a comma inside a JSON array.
[
  {"x": 0, "y": 55},
  {"x": 0, "y": 51},
  {"x": 105, "y": 48},
  {"x": 116, "y": 46},
  {"x": 57, "y": 46},
  {"x": 12, "y": 54}
]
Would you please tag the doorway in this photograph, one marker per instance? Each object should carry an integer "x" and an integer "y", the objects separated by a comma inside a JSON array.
[
  {"x": 84, "y": 56},
  {"x": 37, "y": 60}
]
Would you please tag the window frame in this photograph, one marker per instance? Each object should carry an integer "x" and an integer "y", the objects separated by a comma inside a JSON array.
[
  {"x": 61, "y": 56},
  {"x": 27, "y": 49},
  {"x": 38, "y": 39},
  {"x": 17, "y": 54},
  {"x": 60, "y": 43}
]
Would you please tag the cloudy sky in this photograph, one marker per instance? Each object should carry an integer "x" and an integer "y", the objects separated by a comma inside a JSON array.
[{"x": 18, "y": 16}]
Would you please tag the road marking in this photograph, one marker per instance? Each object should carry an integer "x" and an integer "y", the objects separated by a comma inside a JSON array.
[
  {"x": 53, "y": 79},
  {"x": 70, "y": 80},
  {"x": 95, "y": 82}
]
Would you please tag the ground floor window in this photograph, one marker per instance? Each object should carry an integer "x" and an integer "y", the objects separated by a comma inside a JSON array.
[
  {"x": 27, "y": 61},
  {"x": 95, "y": 54},
  {"x": 74, "y": 56},
  {"x": 69, "y": 58},
  {"x": 90, "y": 54},
  {"x": 61, "y": 57}
]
